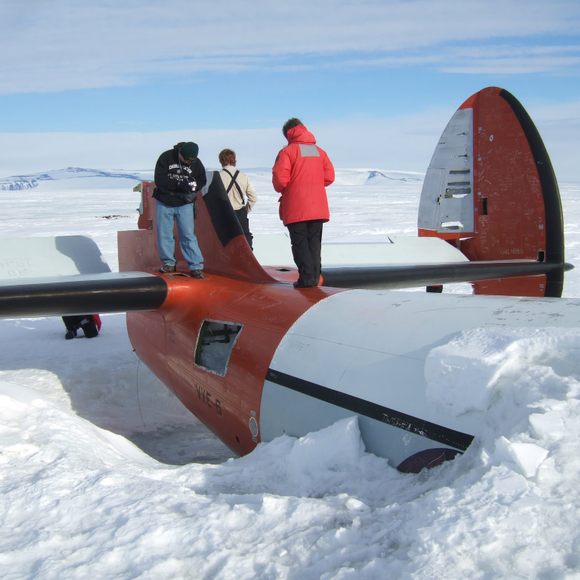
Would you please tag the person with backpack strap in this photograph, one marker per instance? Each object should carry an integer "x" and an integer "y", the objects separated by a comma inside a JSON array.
[{"x": 241, "y": 192}]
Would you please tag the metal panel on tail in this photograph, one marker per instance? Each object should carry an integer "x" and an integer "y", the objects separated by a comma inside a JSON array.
[{"x": 446, "y": 206}]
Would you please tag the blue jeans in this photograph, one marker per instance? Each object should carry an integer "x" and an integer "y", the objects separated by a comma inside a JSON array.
[{"x": 184, "y": 215}]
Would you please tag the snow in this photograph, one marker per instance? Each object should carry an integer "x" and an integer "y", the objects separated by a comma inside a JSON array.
[{"x": 103, "y": 473}]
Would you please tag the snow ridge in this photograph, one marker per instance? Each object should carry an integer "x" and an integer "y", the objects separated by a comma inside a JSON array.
[{"x": 21, "y": 182}]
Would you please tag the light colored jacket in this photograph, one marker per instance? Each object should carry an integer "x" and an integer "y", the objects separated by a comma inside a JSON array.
[{"x": 248, "y": 190}]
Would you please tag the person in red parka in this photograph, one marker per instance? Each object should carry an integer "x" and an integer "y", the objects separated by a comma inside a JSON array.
[{"x": 301, "y": 173}]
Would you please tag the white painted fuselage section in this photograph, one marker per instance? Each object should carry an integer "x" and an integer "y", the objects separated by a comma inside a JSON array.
[{"x": 360, "y": 347}]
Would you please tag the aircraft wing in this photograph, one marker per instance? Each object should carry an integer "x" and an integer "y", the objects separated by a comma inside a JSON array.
[
  {"x": 406, "y": 276},
  {"x": 397, "y": 262},
  {"x": 61, "y": 275},
  {"x": 130, "y": 291},
  {"x": 66, "y": 275},
  {"x": 275, "y": 249}
]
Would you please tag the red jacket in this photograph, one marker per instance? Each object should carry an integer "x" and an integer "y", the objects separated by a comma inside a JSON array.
[{"x": 301, "y": 172}]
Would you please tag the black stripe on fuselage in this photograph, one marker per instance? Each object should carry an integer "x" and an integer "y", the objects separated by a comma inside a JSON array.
[{"x": 454, "y": 439}]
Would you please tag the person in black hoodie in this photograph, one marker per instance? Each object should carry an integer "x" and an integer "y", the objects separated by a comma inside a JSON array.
[{"x": 179, "y": 175}]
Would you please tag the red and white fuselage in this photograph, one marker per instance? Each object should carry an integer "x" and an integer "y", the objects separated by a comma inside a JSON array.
[{"x": 255, "y": 358}]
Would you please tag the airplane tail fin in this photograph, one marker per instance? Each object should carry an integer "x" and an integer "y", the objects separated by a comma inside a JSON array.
[{"x": 490, "y": 189}]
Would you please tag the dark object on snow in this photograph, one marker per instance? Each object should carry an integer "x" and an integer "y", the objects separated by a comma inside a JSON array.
[{"x": 90, "y": 324}]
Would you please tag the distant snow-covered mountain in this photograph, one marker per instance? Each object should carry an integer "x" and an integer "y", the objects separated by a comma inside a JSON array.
[
  {"x": 20, "y": 182},
  {"x": 345, "y": 176},
  {"x": 374, "y": 175}
]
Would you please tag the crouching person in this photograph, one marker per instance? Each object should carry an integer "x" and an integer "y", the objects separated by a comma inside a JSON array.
[{"x": 90, "y": 324}]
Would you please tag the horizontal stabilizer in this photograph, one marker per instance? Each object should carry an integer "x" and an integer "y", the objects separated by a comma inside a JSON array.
[
  {"x": 40, "y": 257},
  {"x": 99, "y": 293},
  {"x": 390, "y": 277},
  {"x": 276, "y": 250}
]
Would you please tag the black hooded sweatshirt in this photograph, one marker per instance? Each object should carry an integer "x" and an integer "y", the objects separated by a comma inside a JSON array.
[{"x": 177, "y": 183}]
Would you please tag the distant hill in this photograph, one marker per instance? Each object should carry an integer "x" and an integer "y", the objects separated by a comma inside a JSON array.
[
  {"x": 346, "y": 176},
  {"x": 375, "y": 175},
  {"x": 19, "y": 182}
]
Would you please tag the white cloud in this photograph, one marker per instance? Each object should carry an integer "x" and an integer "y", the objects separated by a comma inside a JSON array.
[
  {"x": 512, "y": 59},
  {"x": 559, "y": 126},
  {"x": 398, "y": 142},
  {"x": 26, "y": 153},
  {"x": 66, "y": 44}
]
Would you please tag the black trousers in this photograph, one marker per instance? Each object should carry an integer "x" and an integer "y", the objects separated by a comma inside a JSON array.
[
  {"x": 306, "y": 238},
  {"x": 242, "y": 215}
]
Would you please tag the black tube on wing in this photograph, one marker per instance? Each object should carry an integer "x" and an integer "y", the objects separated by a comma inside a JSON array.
[
  {"x": 389, "y": 277},
  {"x": 97, "y": 293}
]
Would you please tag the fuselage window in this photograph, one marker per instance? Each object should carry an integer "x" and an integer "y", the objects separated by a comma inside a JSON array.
[{"x": 215, "y": 344}]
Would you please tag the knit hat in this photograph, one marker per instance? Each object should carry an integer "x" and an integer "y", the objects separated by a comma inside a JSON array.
[{"x": 189, "y": 150}]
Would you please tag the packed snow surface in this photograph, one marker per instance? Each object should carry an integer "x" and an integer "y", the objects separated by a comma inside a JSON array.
[{"x": 103, "y": 474}]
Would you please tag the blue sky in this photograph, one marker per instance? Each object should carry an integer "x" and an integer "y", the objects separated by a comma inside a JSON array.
[{"x": 112, "y": 83}]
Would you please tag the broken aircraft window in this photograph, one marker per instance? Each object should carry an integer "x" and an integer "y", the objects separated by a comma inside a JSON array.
[{"x": 215, "y": 344}]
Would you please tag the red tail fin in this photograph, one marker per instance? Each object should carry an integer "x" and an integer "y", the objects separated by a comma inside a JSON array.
[{"x": 491, "y": 190}]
